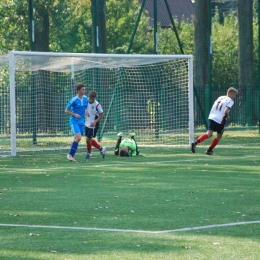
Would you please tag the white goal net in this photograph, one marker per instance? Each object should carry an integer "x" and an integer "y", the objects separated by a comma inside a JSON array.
[{"x": 151, "y": 95}]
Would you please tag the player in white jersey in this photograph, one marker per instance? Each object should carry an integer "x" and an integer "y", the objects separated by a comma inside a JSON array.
[
  {"x": 94, "y": 113},
  {"x": 218, "y": 115}
]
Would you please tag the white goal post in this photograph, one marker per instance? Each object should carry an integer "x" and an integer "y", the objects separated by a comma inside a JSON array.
[{"x": 151, "y": 95}]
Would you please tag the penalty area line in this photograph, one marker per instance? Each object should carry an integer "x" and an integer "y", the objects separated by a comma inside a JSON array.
[{"x": 135, "y": 231}]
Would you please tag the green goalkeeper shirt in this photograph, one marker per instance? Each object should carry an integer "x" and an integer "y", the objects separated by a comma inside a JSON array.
[{"x": 130, "y": 143}]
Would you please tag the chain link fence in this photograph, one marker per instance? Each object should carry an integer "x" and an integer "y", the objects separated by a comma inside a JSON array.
[{"x": 244, "y": 113}]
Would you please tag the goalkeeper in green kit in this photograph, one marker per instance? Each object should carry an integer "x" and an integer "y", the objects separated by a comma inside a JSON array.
[{"x": 126, "y": 147}]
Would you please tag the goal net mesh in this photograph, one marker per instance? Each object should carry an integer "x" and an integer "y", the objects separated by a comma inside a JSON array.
[
  {"x": 5, "y": 140},
  {"x": 145, "y": 95}
]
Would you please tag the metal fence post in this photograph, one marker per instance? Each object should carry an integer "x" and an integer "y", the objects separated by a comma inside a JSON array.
[
  {"x": 249, "y": 105},
  {"x": 208, "y": 99}
]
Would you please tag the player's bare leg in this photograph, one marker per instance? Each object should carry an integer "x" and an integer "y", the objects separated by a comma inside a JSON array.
[{"x": 213, "y": 144}]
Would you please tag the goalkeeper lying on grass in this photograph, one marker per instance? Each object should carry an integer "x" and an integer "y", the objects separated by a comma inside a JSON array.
[{"x": 126, "y": 147}]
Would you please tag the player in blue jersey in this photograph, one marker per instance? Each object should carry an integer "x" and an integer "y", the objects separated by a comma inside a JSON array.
[{"x": 76, "y": 108}]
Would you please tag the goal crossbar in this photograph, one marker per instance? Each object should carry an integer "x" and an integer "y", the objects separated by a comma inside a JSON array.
[{"x": 151, "y": 95}]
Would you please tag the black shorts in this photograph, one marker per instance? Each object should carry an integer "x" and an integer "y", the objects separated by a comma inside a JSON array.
[
  {"x": 216, "y": 127},
  {"x": 91, "y": 132}
]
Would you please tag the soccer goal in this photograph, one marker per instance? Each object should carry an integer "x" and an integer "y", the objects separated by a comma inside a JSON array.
[{"x": 151, "y": 95}]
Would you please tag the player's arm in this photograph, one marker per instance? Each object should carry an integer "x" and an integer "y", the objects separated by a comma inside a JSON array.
[
  {"x": 100, "y": 117},
  {"x": 87, "y": 112},
  {"x": 97, "y": 119},
  {"x": 226, "y": 111},
  {"x": 69, "y": 112}
]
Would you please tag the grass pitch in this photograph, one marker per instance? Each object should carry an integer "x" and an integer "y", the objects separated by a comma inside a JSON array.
[{"x": 166, "y": 203}]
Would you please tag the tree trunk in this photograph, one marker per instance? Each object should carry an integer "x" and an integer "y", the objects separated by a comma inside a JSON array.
[
  {"x": 245, "y": 53},
  {"x": 99, "y": 38},
  {"x": 102, "y": 26},
  {"x": 41, "y": 92},
  {"x": 42, "y": 30},
  {"x": 201, "y": 43},
  {"x": 245, "y": 43}
]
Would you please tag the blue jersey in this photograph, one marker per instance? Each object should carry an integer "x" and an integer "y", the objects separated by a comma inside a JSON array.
[{"x": 78, "y": 106}]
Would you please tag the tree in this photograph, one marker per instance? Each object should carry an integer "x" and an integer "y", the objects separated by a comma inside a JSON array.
[
  {"x": 245, "y": 43},
  {"x": 121, "y": 20},
  {"x": 66, "y": 26},
  {"x": 42, "y": 26},
  {"x": 98, "y": 15},
  {"x": 225, "y": 50},
  {"x": 13, "y": 26},
  {"x": 201, "y": 42}
]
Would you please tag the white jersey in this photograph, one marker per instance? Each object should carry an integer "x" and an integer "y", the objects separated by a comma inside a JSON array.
[
  {"x": 92, "y": 112},
  {"x": 217, "y": 111}
]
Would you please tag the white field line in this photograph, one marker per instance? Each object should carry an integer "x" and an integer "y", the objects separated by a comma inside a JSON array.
[
  {"x": 135, "y": 231},
  {"x": 7, "y": 153},
  {"x": 111, "y": 149},
  {"x": 133, "y": 163},
  {"x": 138, "y": 231}
]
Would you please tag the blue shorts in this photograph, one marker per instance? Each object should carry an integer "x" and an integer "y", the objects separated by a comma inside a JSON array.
[
  {"x": 216, "y": 127},
  {"x": 76, "y": 129}
]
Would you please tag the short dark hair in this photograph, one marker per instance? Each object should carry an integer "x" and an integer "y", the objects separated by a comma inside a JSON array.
[
  {"x": 123, "y": 152},
  {"x": 80, "y": 86}
]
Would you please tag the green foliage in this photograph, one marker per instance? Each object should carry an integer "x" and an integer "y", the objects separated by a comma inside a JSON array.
[
  {"x": 13, "y": 27},
  {"x": 70, "y": 30},
  {"x": 225, "y": 51},
  {"x": 168, "y": 43},
  {"x": 121, "y": 20}
]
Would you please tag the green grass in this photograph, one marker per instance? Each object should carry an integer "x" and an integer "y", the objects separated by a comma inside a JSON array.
[{"x": 134, "y": 199}]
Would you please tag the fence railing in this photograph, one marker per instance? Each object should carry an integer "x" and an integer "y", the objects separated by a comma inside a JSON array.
[{"x": 244, "y": 113}]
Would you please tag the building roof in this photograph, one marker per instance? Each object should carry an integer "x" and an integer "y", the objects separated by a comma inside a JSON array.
[{"x": 179, "y": 8}]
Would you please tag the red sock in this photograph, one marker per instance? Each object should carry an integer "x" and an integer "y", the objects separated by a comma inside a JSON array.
[
  {"x": 89, "y": 148},
  {"x": 96, "y": 144},
  {"x": 214, "y": 143},
  {"x": 202, "y": 138}
]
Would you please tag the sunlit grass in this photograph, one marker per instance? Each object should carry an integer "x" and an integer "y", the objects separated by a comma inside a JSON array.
[{"x": 162, "y": 189}]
